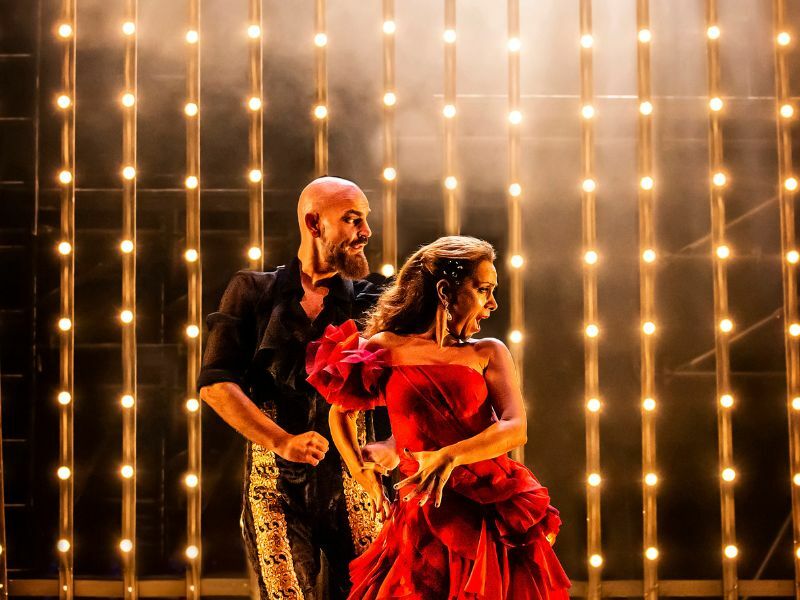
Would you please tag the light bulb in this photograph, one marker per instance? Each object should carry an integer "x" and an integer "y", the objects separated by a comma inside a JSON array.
[
  {"x": 191, "y": 182},
  {"x": 787, "y": 111},
  {"x": 128, "y": 99},
  {"x": 192, "y": 552},
  {"x": 449, "y": 36},
  {"x": 726, "y": 325},
  {"x": 65, "y": 30},
  {"x": 63, "y": 101},
  {"x": 719, "y": 179},
  {"x": 126, "y": 316},
  {"x": 716, "y": 104},
  {"x": 254, "y": 175},
  {"x": 515, "y": 117},
  {"x": 254, "y": 32},
  {"x": 796, "y": 479},
  {"x": 126, "y": 246},
  {"x": 449, "y": 111},
  {"x": 726, "y": 400},
  {"x": 587, "y": 41},
  {"x": 651, "y": 479},
  {"x": 792, "y": 257},
  {"x": 649, "y": 255},
  {"x": 645, "y": 36},
  {"x": 192, "y": 405},
  {"x": 794, "y": 329},
  {"x": 713, "y": 32},
  {"x": 63, "y": 473},
  {"x": 63, "y": 545},
  {"x": 320, "y": 40},
  {"x": 514, "y": 44},
  {"x": 592, "y": 331},
  {"x": 723, "y": 252},
  {"x": 128, "y": 173},
  {"x": 589, "y": 185},
  {"x": 126, "y": 471},
  {"x": 651, "y": 553},
  {"x": 191, "y": 255},
  {"x": 254, "y": 253},
  {"x": 64, "y": 398},
  {"x": 389, "y": 27},
  {"x": 192, "y": 36},
  {"x": 254, "y": 103},
  {"x": 192, "y": 331},
  {"x": 126, "y": 545},
  {"x": 728, "y": 474},
  {"x": 65, "y": 177},
  {"x": 731, "y": 551},
  {"x": 646, "y": 183},
  {"x": 64, "y": 248},
  {"x": 783, "y": 38},
  {"x": 190, "y": 109},
  {"x": 191, "y": 480},
  {"x": 320, "y": 111},
  {"x": 649, "y": 404},
  {"x": 390, "y": 99},
  {"x": 515, "y": 189},
  {"x": 790, "y": 184},
  {"x": 390, "y": 174},
  {"x": 517, "y": 261},
  {"x": 649, "y": 328},
  {"x": 593, "y": 405},
  {"x": 64, "y": 324},
  {"x": 515, "y": 337},
  {"x": 387, "y": 270},
  {"x": 450, "y": 182},
  {"x": 596, "y": 560},
  {"x": 590, "y": 257},
  {"x": 127, "y": 401},
  {"x": 128, "y": 28},
  {"x": 646, "y": 108},
  {"x": 587, "y": 111}
]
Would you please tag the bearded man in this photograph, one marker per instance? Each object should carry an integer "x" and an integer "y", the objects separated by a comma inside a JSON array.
[{"x": 299, "y": 499}]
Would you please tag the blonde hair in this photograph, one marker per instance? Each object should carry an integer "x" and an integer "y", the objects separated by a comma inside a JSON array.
[{"x": 409, "y": 304}]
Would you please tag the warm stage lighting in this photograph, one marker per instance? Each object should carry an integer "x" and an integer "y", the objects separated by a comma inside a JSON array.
[
  {"x": 796, "y": 479},
  {"x": 126, "y": 246},
  {"x": 390, "y": 98},
  {"x": 589, "y": 185},
  {"x": 127, "y": 401},
  {"x": 387, "y": 270},
  {"x": 449, "y": 111},
  {"x": 320, "y": 111},
  {"x": 649, "y": 256},
  {"x": 192, "y": 405},
  {"x": 126, "y": 316},
  {"x": 64, "y": 398},
  {"x": 726, "y": 401},
  {"x": 254, "y": 103},
  {"x": 254, "y": 175},
  {"x": 126, "y": 545},
  {"x": 128, "y": 100},
  {"x": 587, "y": 111},
  {"x": 65, "y": 177},
  {"x": 515, "y": 337},
  {"x": 794, "y": 329},
  {"x": 63, "y": 473},
  {"x": 515, "y": 189},
  {"x": 787, "y": 111},
  {"x": 192, "y": 331},
  {"x": 191, "y": 255},
  {"x": 592, "y": 331},
  {"x": 64, "y": 248},
  {"x": 514, "y": 45},
  {"x": 65, "y": 30},
  {"x": 728, "y": 474},
  {"x": 646, "y": 108},
  {"x": 590, "y": 257},
  {"x": 723, "y": 252},
  {"x": 63, "y": 545},
  {"x": 451, "y": 182},
  {"x": 254, "y": 32},
  {"x": 63, "y": 101},
  {"x": 64, "y": 324},
  {"x": 191, "y": 480},
  {"x": 320, "y": 40},
  {"x": 190, "y": 109},
  {"x": 649, "y": 328},
  {"x": 254, "y": 253},
  {"x": 783, "y": 38},
  {"x": 515, "y": 117},
  {"x": 389, "y": 27},
  {"x": 128, "y": 173},
  {"x": 517, "y": 261},
  {"x": 649, "y": 404},
  {"x": 192, "y": 36},
  {"x": 191, "y": 182},
  {"x": 719, "y": 179},
  {"x": 726, "y": 325},
  {"x": 596, "y": 560},
  {"x": 128, "y": 28},
  {"x": 651, "y": 553},
  {"x": 594, "y": 479},
  {"x": 587, "y": 41},
  {"x": 792, "y": 256},
  {"x": 790, "y": 184},
  {"x": 192, "y": 552},
  {"x": 731, "y": 551},
  {"x": 651, "y": 479},
  {"x": 126, "y": 471},
  {"x": 713, "y": 32},
  {"x": 390, "y": 174},
  {"x": 645, "y": 36},
  {"x": 716, "y": 104},
  {"x": 449, "y": 36},
  {"x": 593, "y": 405},
  {"x": 646, "y": 183}
]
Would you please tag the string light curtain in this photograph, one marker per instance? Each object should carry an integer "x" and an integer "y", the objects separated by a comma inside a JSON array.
[
  {"x": 194, "y": 296},
  {"x": 720, "y": 252},
  {"x": 590, "y": 312},
  {"x": 65, "y": 31},
  {"x": 128, "y": 314},
  {"x": 389, "y": 143},
  {"x": 647, "y": 301},
  {"x": 255, "y": 106},
  {"x": 451, "y": 216},
  {"x": 785, "y": 113},
  {"x": 321, "y": 83}
]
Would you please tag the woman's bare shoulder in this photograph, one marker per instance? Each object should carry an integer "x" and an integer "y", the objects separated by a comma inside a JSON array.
[{"x": 383, "y": 339}]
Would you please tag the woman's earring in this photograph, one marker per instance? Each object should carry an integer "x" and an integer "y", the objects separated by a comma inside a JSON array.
[{"x": 447, "y": 312}]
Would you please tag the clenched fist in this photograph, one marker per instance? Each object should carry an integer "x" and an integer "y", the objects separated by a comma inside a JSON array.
[{"x": 309, "y": 447}]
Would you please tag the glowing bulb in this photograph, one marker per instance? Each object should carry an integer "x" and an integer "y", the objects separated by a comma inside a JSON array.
[
  {"x": 63, "y": 101},
  {"x": 254, "y": 253},
  {"x": 191, "y": 480},
  {"x": 254, "y": 32},
  {"x": 646, "y": 108},
  {"x": 63, "y": 473},
  {"x": 794, "y": 329},
  {"x": 590, "y": 257},
  {"x": 792, "y": 256},
  {"x": 790, "y": 184},
  {"x": 191, "y": 255},
  {"x": 320, "y": 111},
  {"x": 128, "y": 28},
  {"x": 596, "y": 560},
  {"x": 389, "y": 27},
  {"x": 65, "y": 30},
  {"x": 63, "y": 545},
  {"x": 190, "y": 109},
  {"x": 645, "y": 36},
  {"x": 191, "y": 182},
  {"x": 726, "y": 401},
  {"x": 390, "y": 99},
  {"x": 515, "y": 117},
  {"x": 796, "y": 403},
  {"x": 587, "y": 112},
  {"x": 649, "y": 328},
  {"x": 651, "y": 553},
  {"x": 646, "y": 183},
  {"x": 787, "y": 111},
  {"x": 64, "y": 324},
  {"x": 254, "y": 103},
  {"x": 126, "y": 316},
  {"x": 587, "y": 41},
  {"x": 192, "y": 405},
  {"x": 128, "y": 173},
  {"x": 649, "y": 404},
  {"x": 192, "y": 552},
  {"x": 514, "y": 44},
  {"x": 594, "y": 479},
  {"x": 451, "y": 182},
  {"x": 517, "y": 261},
  {"x": 126, "y": 545},
  {"x": 592, "y": 331},
  {"x": 254, "y": 175},
  {"x": 713, "y": 32},
  {"x": 64, "y": 398},
  {"x": 192, "y": 331},
  {"x": 64, "y": 248},
  {"x": 719, "y": 179},
  {"x": 723, "y": 252},
  {"x": 651, "y": 479},
  {"x": 515, "y": 189},
  {"x": 731, "y": 551},
  {"x": 320, "y": 40},
  {"x": 593, "y": 405},
  {"x": 449, "y": 111},
  {"x": 515, "y": 336},
  {"x": 783, "y": 38},
  {"x": 127, "y": 401},
  {"x": 715, "y": 104},
  {"x": 449, "y": 36},
  {"x": 126, "y": 471},
  {"x": 796, "y": 479},
  {"x": 649, "y": 255},
  {"x": 726, "y": 325},
  {"x": 387, "y": 270},
  {"x": 192, "y": 36},
  {"x": 126, "y": 246},
  {"x": 728, "y": 474},
  {"x": 65, "y": 177},
  {"x": 589, "y": 185},
  {"x": 390, "y": 174},
  {"x": 128, "y": 99}
]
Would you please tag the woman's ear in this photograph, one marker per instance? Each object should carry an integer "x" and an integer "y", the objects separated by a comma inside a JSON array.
[{"x": 443, "y": 291}]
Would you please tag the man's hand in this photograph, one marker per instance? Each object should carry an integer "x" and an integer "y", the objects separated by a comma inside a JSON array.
[
  {"x": 309, "y": 447},
  {"x": 369, "y": 477},
  {"x": 383, "y": 453}
]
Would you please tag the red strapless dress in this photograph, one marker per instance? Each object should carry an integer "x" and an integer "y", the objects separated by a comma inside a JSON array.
[{"x": 487, "y": 540}]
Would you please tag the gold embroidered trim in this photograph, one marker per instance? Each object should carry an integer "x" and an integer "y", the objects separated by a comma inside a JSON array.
[
  {"x": 274, "y": 552},
  {"x": 363, "y": 525}
]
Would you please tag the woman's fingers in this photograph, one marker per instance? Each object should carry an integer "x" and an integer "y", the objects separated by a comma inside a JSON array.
[
  {"x": 438, "y": 491},
  {"x": 426, "y": 489}
]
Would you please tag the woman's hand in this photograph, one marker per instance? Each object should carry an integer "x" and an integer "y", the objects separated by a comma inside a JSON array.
[
  {"x": 369, "y": 477},
  {"x": 434, "y": 471}
]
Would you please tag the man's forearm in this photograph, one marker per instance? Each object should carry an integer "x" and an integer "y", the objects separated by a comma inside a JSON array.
[{"x": 237, "y": 410}]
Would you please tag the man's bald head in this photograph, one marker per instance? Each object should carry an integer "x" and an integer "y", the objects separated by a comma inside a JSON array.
[{"x": 325, "y": 193}]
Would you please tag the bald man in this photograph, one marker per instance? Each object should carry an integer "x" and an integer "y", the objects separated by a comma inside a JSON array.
[{"x": 299, "y": 500}]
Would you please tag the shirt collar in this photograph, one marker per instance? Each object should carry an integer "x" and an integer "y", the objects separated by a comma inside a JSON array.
[{"x": 340, "y": 288}]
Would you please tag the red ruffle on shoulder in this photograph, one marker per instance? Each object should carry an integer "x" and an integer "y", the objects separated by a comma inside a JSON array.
[{"x": 343, "y": 370}]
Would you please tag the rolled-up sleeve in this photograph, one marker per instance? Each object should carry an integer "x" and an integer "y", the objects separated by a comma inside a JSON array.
[{"x": 232, "y": 334}]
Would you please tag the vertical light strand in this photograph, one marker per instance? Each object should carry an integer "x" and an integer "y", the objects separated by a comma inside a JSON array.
[
  {"x": 590, "y": 312},
  {"x": 321, "y": 108},
  {"x": 389, "y": 143},
  {"x": 650, "y": 552},
  {"x": 451, "y": 216},
  {"x": 194, "y": 296},
  {"x": 514, "y": 197},
  {"x": 723, "y": 324},
  {"x": 785, "y": 112},
  {"x": 66, "y": 32},
  {"x": 127, "y": 544},
  {"x": 255, "y": 106}
]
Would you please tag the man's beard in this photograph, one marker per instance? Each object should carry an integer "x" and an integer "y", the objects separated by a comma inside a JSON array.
[{"x": 348, "y": 265}]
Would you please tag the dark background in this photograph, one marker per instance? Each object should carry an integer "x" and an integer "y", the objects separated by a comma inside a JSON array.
[{"x": 688, "y": 515}]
